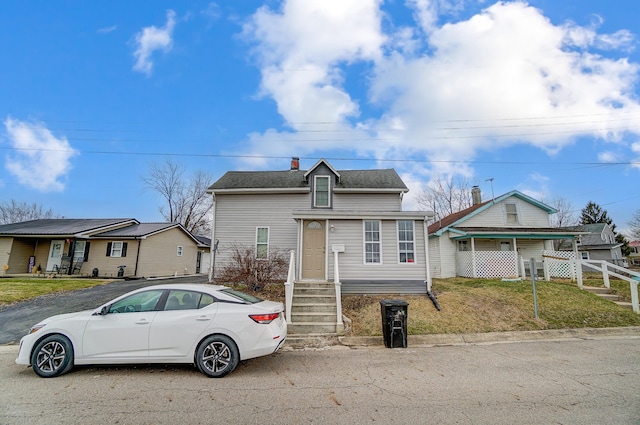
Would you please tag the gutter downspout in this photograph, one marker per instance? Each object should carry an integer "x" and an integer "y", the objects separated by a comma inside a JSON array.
[
  {"x": 426, "y": 252},
  {"x": 135, "y": 272}
]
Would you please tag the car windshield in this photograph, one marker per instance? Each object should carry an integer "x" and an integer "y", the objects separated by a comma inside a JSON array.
[{"x": 241, "y": 296}]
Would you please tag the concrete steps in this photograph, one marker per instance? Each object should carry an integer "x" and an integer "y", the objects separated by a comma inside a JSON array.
[
  {"x": 313, "y": 310},
  {"x": 607, "y": 295}
]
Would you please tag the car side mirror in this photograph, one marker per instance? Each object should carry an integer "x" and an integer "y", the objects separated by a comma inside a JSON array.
[{"x": 104, "y": 310}]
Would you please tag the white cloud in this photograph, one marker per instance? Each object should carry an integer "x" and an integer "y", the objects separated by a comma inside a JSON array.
[
  {"x": 608, "y": 156},
  {"x": 151, "y": 39},
  {"x": 503, "y": 77},
  {"x": 107, "y": 30},
  {"x": 41, "y": 160}
]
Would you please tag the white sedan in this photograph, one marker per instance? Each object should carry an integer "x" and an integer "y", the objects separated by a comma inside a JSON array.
[{"x": 213, "y": 327}]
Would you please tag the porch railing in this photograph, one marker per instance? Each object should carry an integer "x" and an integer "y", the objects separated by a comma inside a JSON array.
[{"x": 288, "y": 286}]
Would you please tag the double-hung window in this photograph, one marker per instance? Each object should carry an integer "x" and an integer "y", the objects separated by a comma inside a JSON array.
[
  {"x": 406, "y": 242},
  {"x": 372, "y": 254},
  {"x": 262, "y": 242},
  {"x": 321, "y": 192},
  {"x": 512, "y": 213},
  {"x": 117, "y": 249}
]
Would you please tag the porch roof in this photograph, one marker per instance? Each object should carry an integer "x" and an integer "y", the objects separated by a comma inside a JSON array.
[
  {"x": 513, "y": 232},
  {"x": 362, "y": 215}
]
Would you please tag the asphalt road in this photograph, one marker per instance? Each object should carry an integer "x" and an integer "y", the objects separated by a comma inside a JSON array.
[
  {"x": 16, "y": 319},
  {"x": 570, "y": 381}
]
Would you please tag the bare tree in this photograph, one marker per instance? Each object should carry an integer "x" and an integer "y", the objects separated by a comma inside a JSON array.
[
  {"x": 12, "y": 211},
  {"x": 186, "y": 198},
  {"x": 446, "y": 195},
  {"x": 566, "y": 215}
]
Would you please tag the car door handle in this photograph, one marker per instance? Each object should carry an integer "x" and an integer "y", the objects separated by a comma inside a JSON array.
[
  {"x": 203, "y": 318},
  {"x": 142, "y": 322}
]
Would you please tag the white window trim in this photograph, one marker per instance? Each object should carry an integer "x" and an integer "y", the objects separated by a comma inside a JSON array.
[
  {"x": 413, "y": 241},
  {"x": 364, "y": 242},
  {"x": 179, "y": 250},
  {"x": 263, "y": 243},
  {"x": 315, "y": 188},
  {"x": 506, "y": 213},
  {"x": 119, "y": 250}
]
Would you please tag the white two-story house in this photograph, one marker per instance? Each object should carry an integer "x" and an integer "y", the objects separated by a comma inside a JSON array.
[{"x": 324, "y": 215}]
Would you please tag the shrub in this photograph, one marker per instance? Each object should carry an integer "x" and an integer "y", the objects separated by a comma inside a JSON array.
[{"x": 244, "y": 268}]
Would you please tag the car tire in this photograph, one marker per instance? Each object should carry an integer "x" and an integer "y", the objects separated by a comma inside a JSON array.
[
  {"x": 217, "y": 356},
  {"x": 53, "y": 356}
]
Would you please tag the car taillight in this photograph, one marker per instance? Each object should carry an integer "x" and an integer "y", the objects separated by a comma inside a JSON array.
[{"x": 264, "y": 318}]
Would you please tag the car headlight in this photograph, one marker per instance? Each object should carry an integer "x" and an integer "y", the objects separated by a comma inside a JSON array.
[{"x": 36, "y": 328}]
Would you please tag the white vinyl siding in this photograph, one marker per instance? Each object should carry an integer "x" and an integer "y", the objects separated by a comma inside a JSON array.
[
  {"x": 262, "y": 242},
  {"x": 366, "y": 201},
  {"x": 406, "y": 242},
  {"x": 372, "y": 242},
  {"x": 528, "y": 215}
]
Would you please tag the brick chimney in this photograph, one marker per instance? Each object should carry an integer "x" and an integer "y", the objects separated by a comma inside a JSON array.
[
  {"x": 476, "y": 195},
  {"x": 295, "y": 163}
]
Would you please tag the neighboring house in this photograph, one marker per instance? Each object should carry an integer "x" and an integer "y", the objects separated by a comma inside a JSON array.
[
  {"x": 599, "y": 243},
  {"x": 490, "y": 238},
  {"x": 634, "y": 256},
  {"x": 322, "y": 214},
  {"x": 70, "y": 246}
]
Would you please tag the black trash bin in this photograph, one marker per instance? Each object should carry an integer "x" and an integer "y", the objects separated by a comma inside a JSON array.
[
  {"x": 394, "y": 323},
  {"x": 94, "y": 272}
]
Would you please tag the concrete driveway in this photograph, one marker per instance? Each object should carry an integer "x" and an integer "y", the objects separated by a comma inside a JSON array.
[{"x": 16, "y": 319}]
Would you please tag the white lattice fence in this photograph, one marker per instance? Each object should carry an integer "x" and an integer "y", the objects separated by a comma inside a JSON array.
[
  {"x": 496, "y": 264},
  {"x": 464, "y": 264},
  {"x": 558, "y": 263},
  {"x": 489, "y": 264}
]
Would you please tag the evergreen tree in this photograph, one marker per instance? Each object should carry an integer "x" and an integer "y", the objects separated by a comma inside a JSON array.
[{"x": 594, "y": 213}]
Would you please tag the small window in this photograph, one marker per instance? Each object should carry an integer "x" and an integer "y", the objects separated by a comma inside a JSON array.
[
  {"x": 117, "y": 249},
  {"x": 406, "y": 241},
  {"x": 179, "y": 251},
  {"x": 584, "y": 255},
  {"x": 463, "y": 245},
  {"x": 321, "y": 192},
  {"x": 505, "y": 246},
  {"x": 512, "y": 213},
  {"x": 262, "y": 242},
  {"x": 372, "y": 242}
]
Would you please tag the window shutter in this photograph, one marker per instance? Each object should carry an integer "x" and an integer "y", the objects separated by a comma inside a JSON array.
[
  {"x": 124, "y": 249},
  {"x": 86, "y": 251},
  {"x": 109, "y": 249}
]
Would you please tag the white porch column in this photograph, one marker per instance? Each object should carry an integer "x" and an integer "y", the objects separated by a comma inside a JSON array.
[
  {"x": 212, "y": 252},
  {"x": 515, "y": 250},
  {"x": 473, "y": 257}
]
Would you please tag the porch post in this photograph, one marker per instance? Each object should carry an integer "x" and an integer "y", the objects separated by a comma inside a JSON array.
[
  {"x": 473, "y": 257},
  {"x": 578, "y": 263},
  {"x": 515, "y": 257}
]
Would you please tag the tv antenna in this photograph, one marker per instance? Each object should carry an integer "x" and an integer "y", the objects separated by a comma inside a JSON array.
[{"x": 491, "y": 180}]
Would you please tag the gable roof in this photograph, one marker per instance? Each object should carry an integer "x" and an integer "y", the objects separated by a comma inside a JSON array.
[
  {"x": 142, "y": 231},
  {"x": 63, "y": 226},
  {"x": 296, "y": 180},
  {"x": 461, "y": 216}
]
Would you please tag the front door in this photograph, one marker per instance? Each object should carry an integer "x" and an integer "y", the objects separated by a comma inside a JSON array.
[
  {"x": 313, "y": 250},
  {"x": 55, "y": 254}
]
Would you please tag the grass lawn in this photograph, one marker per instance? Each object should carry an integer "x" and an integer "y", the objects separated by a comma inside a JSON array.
[
  {"x": 20, "y": 289},
  {"x": 468, "y": 305},
  {"x": 479, "y": 305}
]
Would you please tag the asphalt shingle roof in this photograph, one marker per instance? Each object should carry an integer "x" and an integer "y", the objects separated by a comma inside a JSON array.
[
  {"x": 60, "y": 226},
  {"x": 349, "y": 179}
]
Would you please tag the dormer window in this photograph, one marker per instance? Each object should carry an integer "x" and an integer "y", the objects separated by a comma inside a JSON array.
[{"x": 321, "y": 192}]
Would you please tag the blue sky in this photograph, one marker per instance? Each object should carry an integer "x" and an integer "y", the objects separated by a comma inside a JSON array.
[{"x": 542, "y": 97}]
